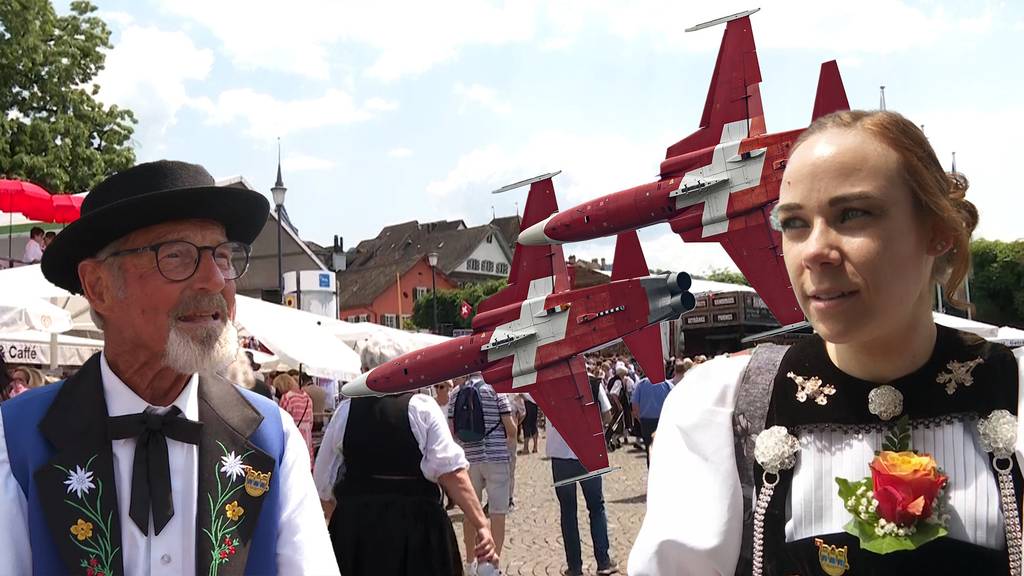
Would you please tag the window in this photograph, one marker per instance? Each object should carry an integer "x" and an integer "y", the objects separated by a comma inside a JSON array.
[
  {"x": 419, "y": 292},
  {"x": 490, "y": 238},
  {"x": 473, "y": 264},
  {"x": 389, "y": 320},
  {"x": 353, "y": 319},
  {"x": 502, "y": 268},
  {"x": 406, "y": 320},
  {"x": 364, "y": 318},
  {"x": 488, "y": 266}
]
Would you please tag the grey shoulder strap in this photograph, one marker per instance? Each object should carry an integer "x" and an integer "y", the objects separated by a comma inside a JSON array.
[{"x": 753, "y": 397}]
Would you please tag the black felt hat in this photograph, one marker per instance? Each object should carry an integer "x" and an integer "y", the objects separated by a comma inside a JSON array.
[{"x": 146, "y": 195}]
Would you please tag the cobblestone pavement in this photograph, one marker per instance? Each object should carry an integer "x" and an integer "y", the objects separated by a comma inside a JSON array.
[{"x": 533, "y": 542}]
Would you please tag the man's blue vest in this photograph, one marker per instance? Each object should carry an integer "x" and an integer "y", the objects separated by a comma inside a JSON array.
[{"x": 29, "y": 450}]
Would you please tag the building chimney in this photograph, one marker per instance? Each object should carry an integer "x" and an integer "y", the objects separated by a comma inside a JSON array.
[
  {"x": 338, "y": 261},
  {"x": 602, "y": 263}
]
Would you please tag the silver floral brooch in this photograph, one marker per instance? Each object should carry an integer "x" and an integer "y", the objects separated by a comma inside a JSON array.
[
  {"x": 958, "y": 373},
  {"x": 885, "y": 402},
  {"x": 811, "y": 388}
]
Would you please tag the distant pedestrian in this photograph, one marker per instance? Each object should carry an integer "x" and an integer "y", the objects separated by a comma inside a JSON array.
[
  {"x": 489, "y": 443},
  {"x": 564, "y": 465},
  {"x": 34, "y": 247},
  {"x": 530, "y": 432},
  {"x": 648, "y": 398},
  {"x": 299, "y": 405}
]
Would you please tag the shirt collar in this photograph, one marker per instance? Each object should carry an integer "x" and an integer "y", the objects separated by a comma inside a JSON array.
[{"x": 122, "y": 400}]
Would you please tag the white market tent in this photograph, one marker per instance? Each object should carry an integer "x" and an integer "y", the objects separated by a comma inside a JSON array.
[
  {"x": 297, "y": 337},
  {"x": 19, "y": 312},
  {"x": 36, "y": 348},
  {"x": 395, "y": 342},
  {"x": 988, "y": 331}
]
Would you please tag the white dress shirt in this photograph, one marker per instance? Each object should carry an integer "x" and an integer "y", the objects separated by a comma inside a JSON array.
[
  {"x": 303, "y": 544},
  {"x": 33, "y": 252},
  {"x": 441, "y": 454},
  {"x": 693, "y": 477}
]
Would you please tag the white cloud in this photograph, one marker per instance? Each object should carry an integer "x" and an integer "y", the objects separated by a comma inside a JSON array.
[
  {"x": 399, "y": 152},
  {"x": 147, "y": 71},
  {"x": 406, "y": 38},
  {"x": 480, "y": 95},
  {"x": 305, "y": 163},
  {"x": 266, "y": 117},
  {"x": 592, "y": 165}
]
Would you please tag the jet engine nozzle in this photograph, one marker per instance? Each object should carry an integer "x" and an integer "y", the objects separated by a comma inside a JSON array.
[
  {"x": 678, "y": 282},
  {"x": 683, "y": 303}
]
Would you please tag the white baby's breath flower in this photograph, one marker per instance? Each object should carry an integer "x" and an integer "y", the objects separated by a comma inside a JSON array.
[
  {"x": 775, "y": 449},
  {"x": 79, "y": 481}
]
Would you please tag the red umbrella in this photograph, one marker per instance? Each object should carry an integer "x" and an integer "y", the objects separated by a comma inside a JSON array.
[{"x": 36, "y": 203}]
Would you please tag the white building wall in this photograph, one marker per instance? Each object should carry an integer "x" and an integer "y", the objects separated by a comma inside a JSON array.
[{"x": 487, "y": 251}]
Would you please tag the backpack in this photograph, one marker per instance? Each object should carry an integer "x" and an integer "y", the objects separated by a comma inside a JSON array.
[{"x": 468, "y": 418}]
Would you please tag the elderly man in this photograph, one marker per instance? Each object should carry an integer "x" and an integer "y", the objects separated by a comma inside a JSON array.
[{"x": 145, "y": 461}]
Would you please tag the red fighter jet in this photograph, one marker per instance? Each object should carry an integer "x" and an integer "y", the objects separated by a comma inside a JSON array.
[
  {"x": 718, "y": 184},
  {"x": 529, "y": 336}
]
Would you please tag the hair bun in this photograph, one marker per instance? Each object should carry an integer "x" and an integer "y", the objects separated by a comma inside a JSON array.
[{"x": 958, "y": 185}]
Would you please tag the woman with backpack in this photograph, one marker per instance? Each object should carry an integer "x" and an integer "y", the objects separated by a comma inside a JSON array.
[{"x": 883, "y": 443}]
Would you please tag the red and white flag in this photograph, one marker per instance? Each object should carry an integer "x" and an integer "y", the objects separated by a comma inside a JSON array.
[{"x": 466, "y": 310}]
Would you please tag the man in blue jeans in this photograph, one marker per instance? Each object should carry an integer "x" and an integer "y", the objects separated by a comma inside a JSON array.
[{"x": 564, "y": 464}]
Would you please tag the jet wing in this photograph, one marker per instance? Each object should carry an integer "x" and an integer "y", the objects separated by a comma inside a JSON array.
[
  {"x": 756, "y": 250},
  {"x": 533, "y": 263},
  {"x": 563, "y": 392},
  {"x": 734, "y": 94}
]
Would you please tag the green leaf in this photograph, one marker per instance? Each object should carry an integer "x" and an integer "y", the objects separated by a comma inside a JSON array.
[
  {"x": 872, "y": 542},
  {"x": 898, "y": 438}
]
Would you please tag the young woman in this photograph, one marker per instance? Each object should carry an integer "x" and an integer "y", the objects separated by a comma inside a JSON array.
[
  {"x": 869, "y": 222},
  {"x": 299, "y": 405}
]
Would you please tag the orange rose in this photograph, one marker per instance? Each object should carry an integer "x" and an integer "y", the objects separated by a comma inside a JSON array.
[{"x": 905, "y": 485}]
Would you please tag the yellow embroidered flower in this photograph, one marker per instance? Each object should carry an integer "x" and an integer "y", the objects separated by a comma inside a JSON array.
[
  {"x": 82, "y": 530},
  {"x": 234, "y": 511}
]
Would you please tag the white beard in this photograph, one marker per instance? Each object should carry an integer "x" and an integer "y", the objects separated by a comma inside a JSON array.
[{"x": 207, "y": 353}]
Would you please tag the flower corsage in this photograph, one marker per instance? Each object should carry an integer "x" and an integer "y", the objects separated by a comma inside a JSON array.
[{"x": 902, "y": 504}]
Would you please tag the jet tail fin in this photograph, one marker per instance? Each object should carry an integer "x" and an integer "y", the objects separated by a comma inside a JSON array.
[
  {"x": 530, "y": 263},
  {"x": 831, "y": 95},
  {"x": 734, "y": 95},
  {"x": 644, "y": 345}
]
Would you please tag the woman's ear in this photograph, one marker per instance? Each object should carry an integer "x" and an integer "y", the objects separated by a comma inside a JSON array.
[{"x": 940, "y": 243}]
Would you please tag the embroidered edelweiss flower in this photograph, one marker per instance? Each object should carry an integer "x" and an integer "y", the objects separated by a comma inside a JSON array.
[
  {"x": 998, "y": 433},
  {"x": 958, "y": 373},
  {"x": 885, "y": 402},
  {"x": 82, "y": 529},
  {"x": 231, "y": 466},
  {"x": 775, "y": 449},
  {"x": 79, "y": 481},
  {"x": 234, "y": 511},
  {"x": 811, "y": 388}
]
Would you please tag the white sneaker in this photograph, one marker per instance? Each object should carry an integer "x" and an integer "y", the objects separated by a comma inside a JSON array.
[
  {"x": 469, "y": 569},
  {"x": 488, "y": 569}
]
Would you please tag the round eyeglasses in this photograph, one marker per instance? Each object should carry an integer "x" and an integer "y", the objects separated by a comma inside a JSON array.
[{"x": 178, "y": 260}]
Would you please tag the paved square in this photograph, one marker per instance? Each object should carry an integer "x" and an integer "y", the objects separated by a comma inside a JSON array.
[{"x": 533, "y": 542}]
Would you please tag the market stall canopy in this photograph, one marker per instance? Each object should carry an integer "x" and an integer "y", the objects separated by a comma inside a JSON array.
[
  {"x": 396, "y": 342},
  {"x": 37, "y": 348},
  {"x": 973, "y": 326},
  {"x": 20, "y": 312},
  {"x": 1010, "y": 336},
  {"x": 29, "y": 282},
  {"x": 297, "y": 337}
]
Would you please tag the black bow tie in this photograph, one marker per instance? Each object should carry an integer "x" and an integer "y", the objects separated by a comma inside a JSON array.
[{"x": 151, "y": 477}]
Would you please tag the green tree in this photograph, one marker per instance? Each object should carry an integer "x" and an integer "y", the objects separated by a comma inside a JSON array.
[
  {"x": 53, "y": 130},
  {"x": 449, "y": 303},
  {"x": 728, "y": 276},
  {"x": 997, "y": 284}
]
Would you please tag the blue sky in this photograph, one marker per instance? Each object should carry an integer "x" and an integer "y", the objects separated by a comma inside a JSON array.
[{"x": 393, "y": 111}]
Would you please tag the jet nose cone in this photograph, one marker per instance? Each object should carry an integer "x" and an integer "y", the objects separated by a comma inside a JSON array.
[
  {"x": 535, "y": 235},
  {"x": 358, "y": 386}
]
